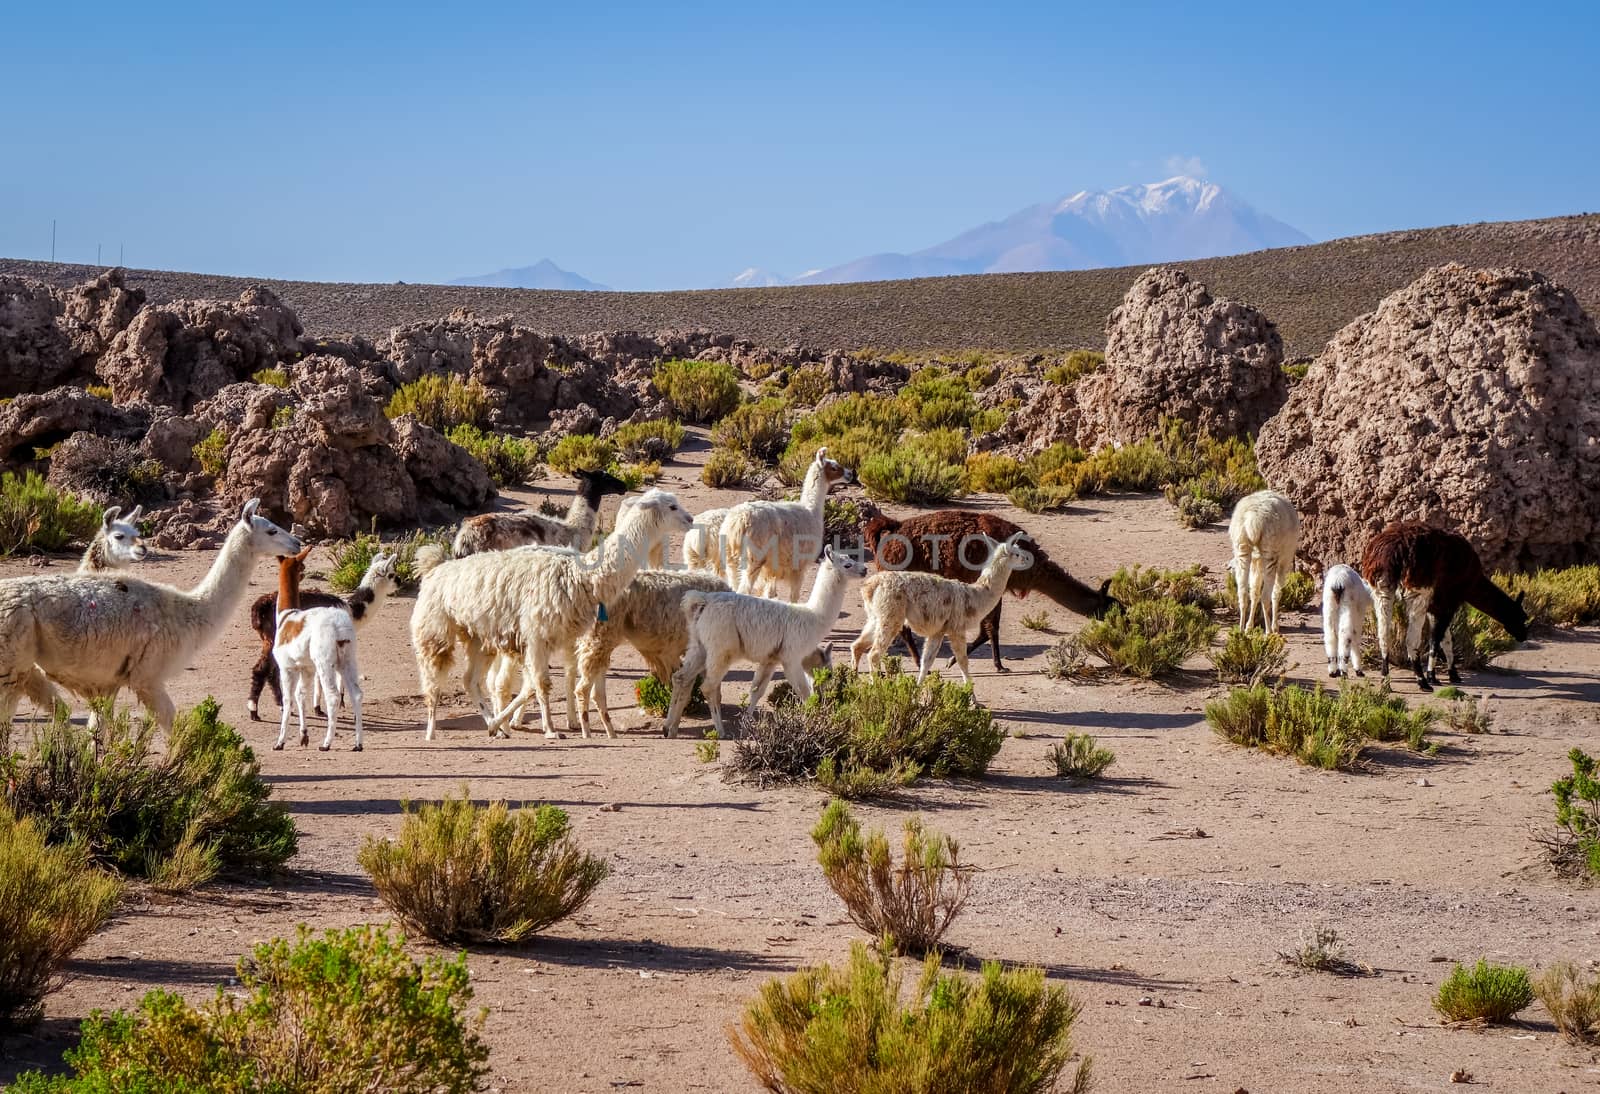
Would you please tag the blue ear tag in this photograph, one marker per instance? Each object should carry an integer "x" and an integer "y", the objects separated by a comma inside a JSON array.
[{"x": 600, "y": 616}]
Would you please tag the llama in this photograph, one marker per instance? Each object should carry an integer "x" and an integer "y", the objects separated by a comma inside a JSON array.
[
  {"x": 530, "y": 602},
  {"x": 702, "y": 545},
  {"x": 377, "y": 584},
  {"x": 117, "y": 544},
  {"x": 943, "y": 543},
  {"x": 1346, "y": 600},
  {"x": 932, "y": 606},
  {"x": 649, "y": 617},
  {"x": 1265, "y": 532},
  {"x": 728, "y": 627},
  {"x": 97, "y": 633},
  {"x": 1436, "y": 572},
  {"x": 498, "y": 531},
  {"x": 779, "y": 540},
  {"x": 316, "y": 652}
]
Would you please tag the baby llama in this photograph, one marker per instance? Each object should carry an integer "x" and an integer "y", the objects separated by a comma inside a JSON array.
[
  {"x": 1346, "y": 600},
  {"x": 727, "y": 628}
]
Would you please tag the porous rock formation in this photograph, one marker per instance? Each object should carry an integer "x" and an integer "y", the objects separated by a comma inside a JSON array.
[
  {"x": 1470, "y": 399},
  {"x": 1174, "y": 351}
]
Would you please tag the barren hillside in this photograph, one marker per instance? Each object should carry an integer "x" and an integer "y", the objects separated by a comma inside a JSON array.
[{"x": 1309, "y": 291}]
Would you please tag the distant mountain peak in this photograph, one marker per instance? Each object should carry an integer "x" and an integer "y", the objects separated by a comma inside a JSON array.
[
  {"x": 754, "y": 277},
  {"x": 543, "y": 274}
]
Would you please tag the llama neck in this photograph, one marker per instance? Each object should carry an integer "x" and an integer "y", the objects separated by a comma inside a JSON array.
[
  {"x": 94, "y": 559},
  {"x": 288, "y": 585},
  {"x": 614, "y": 563},
  {"x": 995, "y": 577},
  {"x": 814, "y": 493},
  {"x": 1044, "y": 576},
  {"x": 220, "y": 591},
  {"x": 582, "y": 517},
  {"x": 827, "y": 595},
  {"x": 1494, "y": 602}
]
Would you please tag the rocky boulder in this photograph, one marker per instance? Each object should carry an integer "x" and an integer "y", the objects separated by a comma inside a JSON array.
[
  {"x": 35, "y": 353},
  {"x": 1172, "y": 350},
  {"x": 32, "y": 422},
  {"x": 181, "y": 353},
  {"x": 1470, "y": 399},
  {"x": 94, "y": 312}
]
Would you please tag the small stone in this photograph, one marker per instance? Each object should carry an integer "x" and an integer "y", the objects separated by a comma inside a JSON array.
[
  {"x": 1423, "y": 782},
  {"x": 611, "y": 807}
]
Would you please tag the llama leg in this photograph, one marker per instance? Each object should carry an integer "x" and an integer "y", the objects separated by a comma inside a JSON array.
[
  {"x": 330, "y": 691},
  {"x": 758, "y": 686},
  {"x": 910, "y": 641},
  {"x": 352, "y": 692},
  {"x": 158, "y": 703},
  {"x": 569, "y": 679},
  {"x": 1333, "y": 634},
  {"x": 712, "y": 686},
  {"x": 958, "y": 642},
  {"x": 1417, "y": 613},
  {"x": 430, "y": 670},
  {"x": 1277, "y": 588},
  {"x": 8, "y": 708},
  {"x": 540, "y": 656},
  {"x": 694, "y": 663},
  {"x": 283, "y": 711},
  {"x": 1383, "y": 621},
  {"x": 260, "y": 674},
  {"x": 930, "y": 650},
  {"x": 1350, "y": 639},
  {"x": 1450, "y": 652},
  {"x": 865, "y": 641}
]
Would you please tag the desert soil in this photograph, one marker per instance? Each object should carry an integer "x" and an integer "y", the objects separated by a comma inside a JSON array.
[{"x": 1160, "y": 895}]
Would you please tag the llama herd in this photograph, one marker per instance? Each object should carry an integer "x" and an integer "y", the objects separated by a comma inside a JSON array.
[{"x": 517, "y": 591}]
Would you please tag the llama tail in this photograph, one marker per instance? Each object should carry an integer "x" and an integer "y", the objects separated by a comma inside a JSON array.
[{"x": 429, "y": 556}]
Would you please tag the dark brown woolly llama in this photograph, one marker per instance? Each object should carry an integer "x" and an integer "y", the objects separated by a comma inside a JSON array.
[
  {"x": 1437, "y": 572},
  {"x": 950, "y": 543}
]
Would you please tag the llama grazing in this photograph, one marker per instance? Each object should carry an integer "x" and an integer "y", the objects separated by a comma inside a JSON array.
[
  {"x": 117, "y": 544},
  {"x": 947, "y": 543},
  {"x": 1436, "y": 572},
  {"x": 775, "y": 541},
  {"x": 97, "y": 633},
  {"x": 1346, "y": 600},
  {"x": 531, "y": 602},
  {"x": 498, "y": 531},
  {"x": 378, "y": 583},
  {"x": 725, "y": 628},
  {"x": 316, "y": 652},
  {"x": 932, "y": 606},
  {"x": 649, "y": 617},
  {"x": 1265, "y": 531}
]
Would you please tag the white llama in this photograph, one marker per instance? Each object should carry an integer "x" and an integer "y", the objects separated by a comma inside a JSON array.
[
  {"x": 726, "y": 628},
  {"x": 934, "y": 607},
  {"x": 773, "y": 541},
  {"x": 316, "y": 652},
  {"x": 117, "y": 544},
  {"x": 96, "y": 633},
  {"x": 531, "y": 602},
  {"x": 1265, "y": 531},
  {"x": 702, "y": 544},
  {"x": 1346, "y": 600}
]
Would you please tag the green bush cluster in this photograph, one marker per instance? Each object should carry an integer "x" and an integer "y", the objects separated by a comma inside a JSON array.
[
  {"x": 272, "y": 377},
  {"x": 209, "y": 452},
  {"x": 1572, "y": 996},
  {"x": 458, "y": 872},
  {"x": 1574, "y": 848},
  {"x": 1323, "y": 729},
  {"x": 1149, "y": 638},
  {"x": 581, "y": 452},
  {"x": 726, "y": 469},
  {"x": 1080, "y": 756},
  {"x": 344, "y": 1013},
  {"x": 910, "y": 475},
  {"x": 441, "y": 400},
  {"x": 176, "y": 819},
  {"x": 698, "y": 391},
  {"x": 36, "y": 516},
  {"x": 1250, "y": 657},
  {"x": 655, "y": 697},
  {"x": 1483, "y": 993},
  {"x": 1559, "y": 598},
  {"x": 757, "y": 431},
  {"x": 861, "y": 735},
  {"x": 846, "y": 1031},
  {"x": 1074, "y": 367},
  {"x": 352, "y": 557},
  {"x": 1130, "y": 585},
  {"x": 510, "y": 461},
  {"x": 649, "y": 442}
]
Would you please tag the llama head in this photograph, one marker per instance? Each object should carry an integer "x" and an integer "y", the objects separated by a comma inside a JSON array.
[
  {"x": 844, "y": 562},
  {"x": 266, "y": 538},
  {"x": 1104, "y": 601},
  {"x": 1516, "y": 621},
  {"x": 657, "y": 513},
  {"x": 293, "y": 566},
  {"x": 124, "y": 544},
  {"x": 819, "y": 658},
  {"x": 833, "y": 472},
  {"x": 382, "y": 574},
  {"x": 594, "y": 485}
]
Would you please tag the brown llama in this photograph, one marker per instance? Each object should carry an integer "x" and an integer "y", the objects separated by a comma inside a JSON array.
[
  {"x": 952, "y": 543},
  {"x": 1436, "y": 572}
]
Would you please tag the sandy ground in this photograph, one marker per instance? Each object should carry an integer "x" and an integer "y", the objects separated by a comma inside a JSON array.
[{"x": 1166, "y": 935}]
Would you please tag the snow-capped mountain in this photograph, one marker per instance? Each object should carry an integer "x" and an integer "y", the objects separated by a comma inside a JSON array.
[
  {"x": 1176, "y": 219},
  {"x": 543, "y": 274},
  {"x": 755, "y": 278}
]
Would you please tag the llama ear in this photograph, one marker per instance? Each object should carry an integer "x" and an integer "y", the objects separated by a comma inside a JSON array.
[
  {"x": 133, "y": 517},
  {"x": 1105, "y": 587},
  {"x": 110, "y": 517},
  {"x": 250, "y": 508},
  {"x": 822, "y": 454},
  {"x": 304, "y": 553}
]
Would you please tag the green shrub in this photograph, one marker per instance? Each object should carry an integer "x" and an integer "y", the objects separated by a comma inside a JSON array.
[
  {"x": 911, "y": 476},
  {"x": 808, "y": 385},
  {"x": 860, "y": 735},
  {"x": 726, "y": 469},
  {"x": 282, "y": 416},
  {"x": 1197, "y": 512},
  {"x": 99, "y": 391},
  {"x": 758, "y": 430},
  {"x": 636, "y": 476},
  {"x": 1079, "y": 756},
  {"x": 36, "y": 516},
  {"x": 461, "y": 873},
  {"x": 1295, "y": 371},
  {"x": 842, "y": 519},
  {"x": 1296, "y": 592},
  {"x": 352, "y": 557},
  {"x": 709, "y": 750},
  {"x": 1039, "y": 499},
  {"x": 1572, "y": 996},
  {"x": 1139, "y": 583},
  {"x": 987, "y": 473},
  {"x": 823, "y": 1030},
  {"x": 209, "y": 451},
  {"x": 1322, "y": 951},
  {"x": 655, "y": 697},
  {"x": 441, "y": 400},
  {"x": 1320, "y": 728},
  {"x": 1574, "y": 846},
  {"x": 852, "y": 428},
  {"x": 1067, "y": 659},
  {"x": 272, "y": 377},
  {"x": 580, "y": 452},
  {"x": 51, "y": 901},
  {"x": 1149, "y": 638},
  {"x": 1037, "y": 621},
  {"x": 698, "y": 391},
  {"x": 177, "y": 819},
  {"x": 1075, "y": 366},
  {"x": 652, "y": 441},
  {"x": 911, "y": 905},
  {"x": 1486, "y": 993},
  {"x": 345, "y": 1013},
  {"x": 510, "y": 461},
  {"x": 1559, "y": 598},
  {"x": 1250, "y": 657}
]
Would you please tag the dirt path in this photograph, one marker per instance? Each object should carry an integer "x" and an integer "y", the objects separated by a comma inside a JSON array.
[{"x": 1168, "y": 937}]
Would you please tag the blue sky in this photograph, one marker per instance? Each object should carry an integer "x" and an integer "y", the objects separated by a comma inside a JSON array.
[{"x": 668, "y": 145}]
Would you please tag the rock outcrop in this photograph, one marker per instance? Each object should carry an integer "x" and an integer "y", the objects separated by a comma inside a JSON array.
[
  {"x": 32, "y": 422},
  {"x": 35, "y": 353},
  {"x": 1173, "y": 351},
  {"x": 1470, "y": 399},
  {"x": 184, "y": 352}
]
